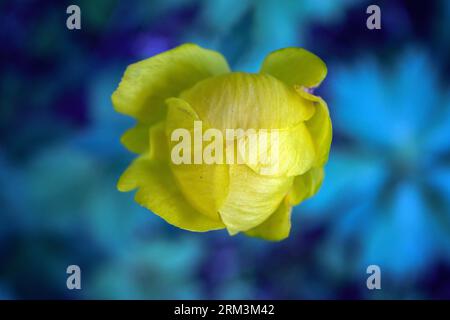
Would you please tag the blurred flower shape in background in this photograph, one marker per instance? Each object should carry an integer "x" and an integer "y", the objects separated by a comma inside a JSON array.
[
  {"x": 265, "y": 24},
  {"x": 174, "y": 89},
  {"x": 164, "y": 270},
  {"x": 390, "y": 169}
]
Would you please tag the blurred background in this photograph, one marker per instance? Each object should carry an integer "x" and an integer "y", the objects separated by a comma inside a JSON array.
[{"x": 386, "y": 195}]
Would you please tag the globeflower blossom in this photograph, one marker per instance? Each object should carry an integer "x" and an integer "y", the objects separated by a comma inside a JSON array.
[{"x": 254, "y": 194}]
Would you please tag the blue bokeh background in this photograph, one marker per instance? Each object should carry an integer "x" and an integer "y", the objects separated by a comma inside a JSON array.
[{"x": 385, "y": 199}]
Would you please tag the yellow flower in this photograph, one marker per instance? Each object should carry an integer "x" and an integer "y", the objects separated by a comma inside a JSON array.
[{"x": 176, "y": 88}]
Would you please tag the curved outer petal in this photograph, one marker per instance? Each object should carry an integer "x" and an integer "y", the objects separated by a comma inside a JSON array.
[
  {"x": 146, "y": 84},
  {"x": 295, "y": 66},
  {"x": 247, "y": 101},
  {"x": 305, "y": 186},
  {"x": 320, "y": 128},
  {"x": 277, "y": 226},
  {"x": 159, "y": 193},
  {"x": 205, "y": 186},
  {"x": 252, "y": 198},
  {"x": 300, "y": 68}
]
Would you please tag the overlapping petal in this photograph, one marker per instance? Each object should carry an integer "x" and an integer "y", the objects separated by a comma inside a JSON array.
[
  {"x": 252, "y": 198},
  {"x": 279, "y": 152},
  {"x": 146, "y": 84},
  {"x": 247, "y": 101},
  {"x": 277, "y": 226},
  {"x": 254, "y": 102},
  {"x": 306, "y": 185},
  {"x": 136, "y": 138},
  {"x": 158, "y": 192},
  {"x": 205, "y": 186}
]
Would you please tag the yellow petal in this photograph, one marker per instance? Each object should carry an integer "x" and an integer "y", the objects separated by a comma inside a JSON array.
[
  {"x": 306, "y": 185},
  {"x": 320, "y": 128},
  {"x": 136, "y": 138},
  {"x": 277, "y": 226},
  {"x": 247, "y": 101},
  {"x": 252, "y": 198},
  {"x": 158, "y": 192},
  {"x": 277, "y": 152},
  {"x": 180, "y": 114},
  {"x": 295, "y": 66},
  {"x": 205, "y": 186},
  {"x": 146, "y": 84},
  {"x": 159, "y": 149}
]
